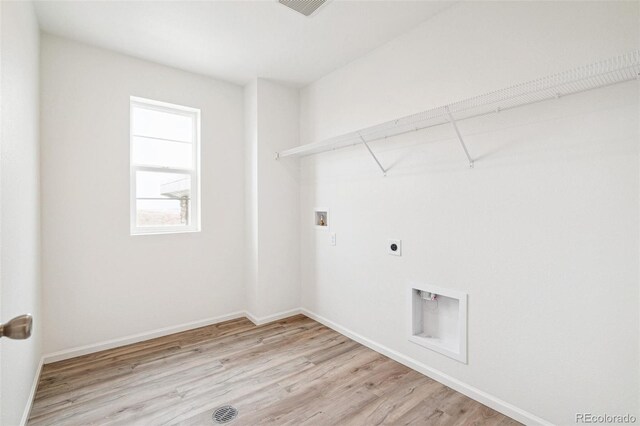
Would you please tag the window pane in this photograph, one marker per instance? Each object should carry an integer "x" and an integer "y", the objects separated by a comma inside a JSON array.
[
  {"x": 163, "y": 199},
  {"x": 162, "y": 185},
  {"x": 154, "y": 152},
  {"x": 158, "y": 213},
  {"x": 164, "y": 125}
]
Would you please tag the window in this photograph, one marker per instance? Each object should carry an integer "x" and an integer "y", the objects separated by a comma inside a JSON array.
[{"x": 165, "y": 175}]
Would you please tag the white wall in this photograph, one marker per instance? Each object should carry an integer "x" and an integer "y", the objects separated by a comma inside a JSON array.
[
  {"x": 20, "y": 200},
  {"x": 99, "y": 282},
  {"x": 542, "y": 234},
  {"x": 273, "y": 199}
]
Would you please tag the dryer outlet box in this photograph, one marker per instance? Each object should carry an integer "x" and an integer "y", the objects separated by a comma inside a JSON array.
[{"x": 394, "y": 247}]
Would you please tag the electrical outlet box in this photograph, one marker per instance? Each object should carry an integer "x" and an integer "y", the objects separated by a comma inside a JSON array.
[
  {"x": 332, "y": 239},
  {"x": 394, "y": 247}
]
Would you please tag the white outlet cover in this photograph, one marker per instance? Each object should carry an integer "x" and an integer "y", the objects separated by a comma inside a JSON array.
[
  {"x": 397, "y": 244},
  {"x": 332, "y": 239}
]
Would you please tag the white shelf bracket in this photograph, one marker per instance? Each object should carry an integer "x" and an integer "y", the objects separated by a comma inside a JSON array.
[
  {"x": 455, "y": 127},
  {"x": 384, "y": 172}
]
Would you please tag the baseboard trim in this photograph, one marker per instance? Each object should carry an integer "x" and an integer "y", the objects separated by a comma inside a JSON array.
[
  {"x": 271, "y": 318},
  {"x": 470, "y": 391},
  {"x": 32, "y": 394},
  {"x": 140, "y": 337}
]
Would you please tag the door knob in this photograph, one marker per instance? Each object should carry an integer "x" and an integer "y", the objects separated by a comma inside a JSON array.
[{"x": 17, "y": 328}]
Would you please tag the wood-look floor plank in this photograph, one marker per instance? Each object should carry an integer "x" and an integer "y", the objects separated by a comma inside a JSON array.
[
  {"x": 142, "y": 365},
  {"x": 183, "y": 384},
  {"x": 290, "y": 372}
]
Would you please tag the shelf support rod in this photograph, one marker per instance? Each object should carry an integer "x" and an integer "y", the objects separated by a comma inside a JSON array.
[
  {"x": 384, "y": 172},
  {"x": 455, "y": 127}
]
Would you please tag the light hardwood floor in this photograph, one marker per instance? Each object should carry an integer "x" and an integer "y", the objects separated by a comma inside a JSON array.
[{"x": 295, "y": 372}]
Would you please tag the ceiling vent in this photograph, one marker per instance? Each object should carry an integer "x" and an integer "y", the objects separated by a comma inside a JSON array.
[{"x": 306, "y": 7}]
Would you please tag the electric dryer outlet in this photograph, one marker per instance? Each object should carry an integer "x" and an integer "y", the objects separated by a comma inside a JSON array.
[{"x": 394, "y": 247}]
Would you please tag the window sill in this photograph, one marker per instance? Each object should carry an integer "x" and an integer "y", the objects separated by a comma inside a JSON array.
[{"x": 163, "y": 232}]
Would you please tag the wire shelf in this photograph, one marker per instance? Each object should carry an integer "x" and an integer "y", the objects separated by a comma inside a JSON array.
[{"x": 611, "y": 71}]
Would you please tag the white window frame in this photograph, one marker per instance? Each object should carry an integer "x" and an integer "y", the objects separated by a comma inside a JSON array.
[{"x": 193, "y": 172}]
